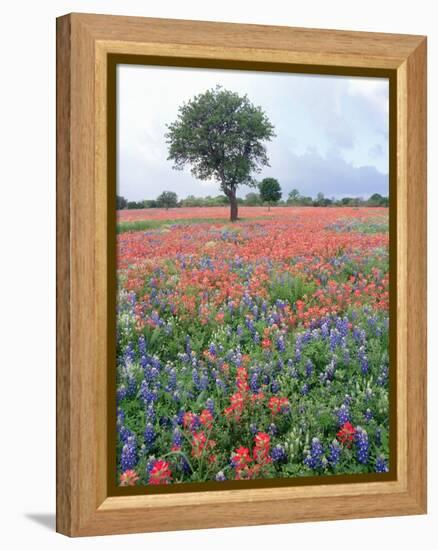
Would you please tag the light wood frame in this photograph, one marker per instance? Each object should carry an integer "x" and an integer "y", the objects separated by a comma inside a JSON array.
[{"x": 83, "y": 44}]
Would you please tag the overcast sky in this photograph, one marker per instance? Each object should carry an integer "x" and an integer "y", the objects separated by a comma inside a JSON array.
[{"x": 331, "y": 131}]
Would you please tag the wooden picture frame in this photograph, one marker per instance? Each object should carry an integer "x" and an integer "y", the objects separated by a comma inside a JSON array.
[{"x": 84, "y": 217}]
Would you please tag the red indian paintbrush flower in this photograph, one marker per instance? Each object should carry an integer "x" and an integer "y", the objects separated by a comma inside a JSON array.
[
  {"x": 346, "y": 434},
  {"x": 160, "y": 473},
  {"x": 128, "y": 478}
]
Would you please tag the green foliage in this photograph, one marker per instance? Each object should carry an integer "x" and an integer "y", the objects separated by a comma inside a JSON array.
[
  {"x": 253, "y": 199},
  {"x": 220, "y": 135},
  {"x": 167, "y": 199},
  {"x": 270, "y": 190},
  {"x": 283, "y": 286},
  {"x": 121, "y": 202},
  {"x": 135, "y": 205}
]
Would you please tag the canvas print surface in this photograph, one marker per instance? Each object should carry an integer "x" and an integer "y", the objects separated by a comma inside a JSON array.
[{"x": 252, "y": 275}]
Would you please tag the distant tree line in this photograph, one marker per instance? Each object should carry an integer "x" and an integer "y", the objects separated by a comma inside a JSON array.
[{"x": 269, "y": 193}]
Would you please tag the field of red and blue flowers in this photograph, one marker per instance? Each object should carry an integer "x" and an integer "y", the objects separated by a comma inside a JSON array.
[{"x": 251, "y": 350}]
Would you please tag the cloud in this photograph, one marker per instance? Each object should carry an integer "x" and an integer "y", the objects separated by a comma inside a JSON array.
[
  {"x": 332, "y": 131},
  {"x": 312, "y": 173},
  {"x": 376, "y": 151}
]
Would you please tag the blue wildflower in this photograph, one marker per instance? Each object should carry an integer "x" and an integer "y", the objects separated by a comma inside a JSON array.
[
  {"x": 278, "y": 454},
  {"x": 149, "y": 435},
  {"x": 362, "y": 445},
  {"x": 381, "y": 465},
  {"x": 128, "y": 458}
]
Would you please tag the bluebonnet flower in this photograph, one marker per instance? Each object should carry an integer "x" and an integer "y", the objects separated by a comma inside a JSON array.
[
  {"x": 220, "y": 476},
  {"x": 124, "y": 433},
  {"x": 141, "y": 345},
  {"x": 203, "y": 383},
  {"x": 383, "y": 376},
  {"x": 309, "y": 368},
  {"x": 272, "y": 429},
  {"x": 209, "y": 405},
  {"x": 128, "y": 459},
  {"x": 172, "y": 380},
  {"x": 313, "y": 458},
  {"x": 381, "y": 465},
  {"x": 278, "y": 454},
  {"x": 359, "y": 335},
  {"x": 177, "y": 438},
  {"x": 368, "y": 415},
  {"x": 348, "y": 400},
  {"x": 150, "y": 413},
  {"x": 212, "y": 350},
  {"x": 275, "y": 386},
  {"x": 254, "y": 382},
  {"x": 343, "y": 414},
  {"x": 147, "y": 394},
  {"x": 122, "y": 393},
  {"x": 342, "y": 325},
  {"x": 131, "y": 390},
  {"x": 362, "y": 445},
  {"x": 304, "y": 389},
  {"x": 195, "y": 377},
  {"x": 281, "y": 345},
  {"x": 149, "y": 435},
  {"x": 253, "y": 428},
  {"x": 178, "y": 419},
  {"x": 335, "y": 339},
  {"x": 363, "y": 360},
  {"x": 334, "y": 452},
  {"x": 329, "y": 371}
]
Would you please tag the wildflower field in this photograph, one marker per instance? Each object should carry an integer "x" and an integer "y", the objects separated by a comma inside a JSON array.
[{"x": 251, "y": 350}]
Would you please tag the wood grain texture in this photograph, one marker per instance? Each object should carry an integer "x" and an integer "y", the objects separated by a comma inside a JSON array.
[
  {"x": 83, "y": 43},
  {"x": 417, "y": 268},
  {"x": 63, "y": 402}
]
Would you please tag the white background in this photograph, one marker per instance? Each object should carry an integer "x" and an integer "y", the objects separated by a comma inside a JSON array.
[{"x": 27, "y": 233}]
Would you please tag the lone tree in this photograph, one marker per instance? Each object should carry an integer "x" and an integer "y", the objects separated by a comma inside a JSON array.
[
  {"x": 167, "y": 199},
  {"x": 270, "y": 191},
  {"x": 294, "y": 196},
  {"x": 220, "y": 134}
]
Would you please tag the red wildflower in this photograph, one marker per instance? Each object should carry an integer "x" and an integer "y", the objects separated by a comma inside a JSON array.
[
  {"x": 346, "y": 434},
  {"x": 266, "y": 343},
  {"x": 160, "y": 473},
  {"x": 129, "y": 477},
  {"x": 199, "y": 443},
  {"x": 206, "y": 418},
  {"x": 261, "y": 450},
  {"x": 278, "y": 404},
  {"x": 241, "y": 457},
  {"x": 242, "y": 379}
]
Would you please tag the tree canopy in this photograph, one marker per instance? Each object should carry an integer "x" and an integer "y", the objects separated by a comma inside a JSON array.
[
  {"x": 270, "y": 190},
  {"x": 167, "y": 199},
  {"x": 221, "y": 135}
]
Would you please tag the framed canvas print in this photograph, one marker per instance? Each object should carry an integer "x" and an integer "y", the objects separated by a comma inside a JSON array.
[{"x": 241, "y": 275}]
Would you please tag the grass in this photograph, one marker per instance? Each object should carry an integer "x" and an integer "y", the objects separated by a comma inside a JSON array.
[
  {"x": 283, "y": 286},
  {"x": 144, "y": 225}
]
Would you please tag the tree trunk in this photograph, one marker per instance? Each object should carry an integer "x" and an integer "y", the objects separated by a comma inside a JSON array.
[{"x": 233, "y": 205}]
